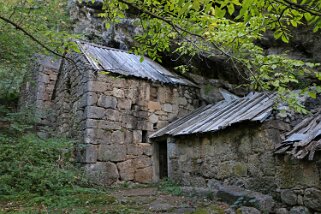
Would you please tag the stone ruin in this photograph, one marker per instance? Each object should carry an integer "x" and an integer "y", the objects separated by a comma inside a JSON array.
[{"x": 112, "y": 115}]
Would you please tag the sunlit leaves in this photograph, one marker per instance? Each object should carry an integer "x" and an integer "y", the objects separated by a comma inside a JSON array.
[
  {"x": 230, "y": 28},
  {"x": 46, "y": 20}
]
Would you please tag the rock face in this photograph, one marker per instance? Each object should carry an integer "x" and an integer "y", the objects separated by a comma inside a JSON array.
[
  {"x": 111, "y": 117},
  {"x": 86, "y": 20}
]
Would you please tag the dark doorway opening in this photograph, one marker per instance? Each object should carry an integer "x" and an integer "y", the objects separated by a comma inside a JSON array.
[{"x": 163, "y": 165}]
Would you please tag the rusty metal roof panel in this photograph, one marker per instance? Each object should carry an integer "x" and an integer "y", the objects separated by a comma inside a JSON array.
[
  {"x": 304, "y": 139},
  {"x": 124, "y": 63},
  {"x": 214, "y": 117}
]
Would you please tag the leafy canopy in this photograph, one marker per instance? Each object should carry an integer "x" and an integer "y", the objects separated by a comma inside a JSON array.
[
  {"x": 44, "y": 20},
  {"x": 229, "y": 28}
]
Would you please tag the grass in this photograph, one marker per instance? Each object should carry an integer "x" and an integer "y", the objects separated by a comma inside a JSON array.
[{"x": 39, "y": 176}]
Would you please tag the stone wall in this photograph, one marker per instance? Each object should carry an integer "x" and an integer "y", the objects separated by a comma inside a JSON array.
[
  {"x": 112, "y": 117},
  {"x": 242, "y": 155},
  {"x": 37, "y": 89}
]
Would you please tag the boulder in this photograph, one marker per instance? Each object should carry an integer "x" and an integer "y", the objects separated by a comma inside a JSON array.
[
  {"x": 312, "y": 198},
  {"x": 281, "y": 211},
  {"x": 247, "y": 210},
  {"x": 299, "y": 210},
  {"x": 289, "y": 197},
  {"x": 237, "y": 195}
]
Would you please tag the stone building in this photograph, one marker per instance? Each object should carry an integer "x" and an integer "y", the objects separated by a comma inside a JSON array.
[
  {"x": 38, "y": 87},
  {"x": 233, "y": 143},
  {"x": 110, "y": 102}
]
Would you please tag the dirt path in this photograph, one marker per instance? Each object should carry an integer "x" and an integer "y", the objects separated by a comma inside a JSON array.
[{"x": 151, "y": 200}]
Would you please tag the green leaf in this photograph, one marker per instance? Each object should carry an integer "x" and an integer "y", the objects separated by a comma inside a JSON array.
[
  {"x": 312, "y": 94},
  {"x": 219, "y": 13},
  {"x": 308, "y": 16},
  {"x": 285, "y": 38},
  {"x": 230, "y": 8}
]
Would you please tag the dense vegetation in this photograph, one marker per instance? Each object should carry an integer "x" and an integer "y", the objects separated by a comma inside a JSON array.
[
  {"x": 47, "y": 24},
  {"x": 37, "y": 174},
  {"x": 230, "y": 29},
  {"x": 196, "y": 28},
  {"x": 40, "y": 176}
]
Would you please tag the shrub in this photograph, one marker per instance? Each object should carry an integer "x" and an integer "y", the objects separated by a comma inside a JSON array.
[
  {"x": 34, "y": 166},
  {"x": 170, "y": 187}
]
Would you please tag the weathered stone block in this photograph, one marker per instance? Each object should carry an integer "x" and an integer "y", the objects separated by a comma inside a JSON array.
[
  {"x": 91, "y": 98},
  {"x": 107, "y": 101},
  {"x": 109, "y": 125},
  {"x": 112, "y": 115},
  {"x": 90, "y": 136},
  {"x": 137, "y": 136},
  {"x": 102, "y": 173},
  {"x": 153, "y": 118},
  {"x": 112, "y": 152},
  {"x": 43, "y": 78},
  {"x": 299, "y": 210},
  {"x": 129, "y": 121},
  {"x": 126, "y": 170},
  {"x": 224, "y": 170},
  {"x": 118, "y": 93},
  {"x": 144, "y": 125},
  {"x": 134, "y": 149},
  {"x": 154, "y": 106},
  {"x": 96, "y": 86},
  {"x": 168, "y": 107},
  {"x": 142, "y": 162},
  {"x": 240, "y": 169},
  {"x": 86, "y": 153},
  {"x": 91, "y": 123},
  {"x": 147, "y": 148},
  {"x": 289, "y": 197},
  {"x": 117, "y": 137},
  {"x": 281, "y": 211},
  {"x": 128, "y": 137},
  {"x": 124, "y": 104},
  {"x": 96, "y": 136},
  {"x": 132, "y": 94},
  {"x": 312, "y": 198},
  {"x": 93, "y": 112},
  {"x": 247, "y": 210},
  {"x": 144, "y": 175},
  {"x": 182, "y": 101}
]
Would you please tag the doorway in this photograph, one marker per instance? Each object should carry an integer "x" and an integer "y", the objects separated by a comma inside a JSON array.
[{"x": 162, "y": 156}]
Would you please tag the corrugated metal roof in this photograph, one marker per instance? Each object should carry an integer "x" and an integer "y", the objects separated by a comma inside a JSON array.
[
  {"x": 214, "y": 117},
  {"x": 124, "y": 63},
  {"x": 303, "y": 139}
]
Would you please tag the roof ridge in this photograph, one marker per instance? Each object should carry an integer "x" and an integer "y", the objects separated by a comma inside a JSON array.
[{"x": 101, "y": 46}]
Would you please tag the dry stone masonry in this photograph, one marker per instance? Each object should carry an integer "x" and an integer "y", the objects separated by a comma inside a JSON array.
[
  {"x": 38, "y": 88},
  {"x": 242, "y": 155},
  {"x": 112, "y": 116}
]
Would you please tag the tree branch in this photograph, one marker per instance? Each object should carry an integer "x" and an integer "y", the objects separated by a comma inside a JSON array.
[
  {"x": 30, "y": 36},
  {"x": 300, "y": 7},
  {"x": 173, "y": 25}
]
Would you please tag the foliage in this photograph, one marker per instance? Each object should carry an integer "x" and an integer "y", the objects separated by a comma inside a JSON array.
[
  {"x": 34, "y": 166},
  {"x": 170, "y": 186},
  {"x": 45, "y": 20},
  {"x": 226, "y": 28},
  {"x": 18, "y": 122}
]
